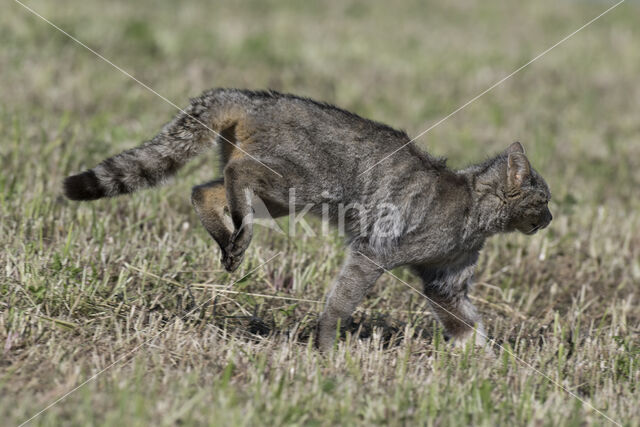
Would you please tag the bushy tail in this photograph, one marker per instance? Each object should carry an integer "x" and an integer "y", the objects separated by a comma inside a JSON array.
[{"x": 185, "y": 137}]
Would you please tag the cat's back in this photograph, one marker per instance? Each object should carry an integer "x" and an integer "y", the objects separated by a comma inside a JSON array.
[
  {"x": 319, "y": 121},
  {"x": 319, "y": 141},
  {"x": 305, "y": 128}
]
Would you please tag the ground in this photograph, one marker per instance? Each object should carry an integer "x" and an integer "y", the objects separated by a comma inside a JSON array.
[{"x": 119, "y": 287}]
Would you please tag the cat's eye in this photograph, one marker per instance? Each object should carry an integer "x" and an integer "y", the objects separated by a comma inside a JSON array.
[{"x": 543, "y": 197}]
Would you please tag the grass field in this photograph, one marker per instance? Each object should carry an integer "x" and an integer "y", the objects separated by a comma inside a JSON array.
[{"x": 85, "y": 285}]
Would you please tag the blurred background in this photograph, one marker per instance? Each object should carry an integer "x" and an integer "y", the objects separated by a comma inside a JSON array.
[
  {"x": 575, "y": 109},
  {"x": 82, "y": 283}
]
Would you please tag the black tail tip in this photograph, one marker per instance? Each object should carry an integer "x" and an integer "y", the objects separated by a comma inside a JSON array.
[{"x": 84, "y": 186}]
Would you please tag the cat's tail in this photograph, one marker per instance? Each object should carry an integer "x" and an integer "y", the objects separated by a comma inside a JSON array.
[{"x": 193, "y": 131}]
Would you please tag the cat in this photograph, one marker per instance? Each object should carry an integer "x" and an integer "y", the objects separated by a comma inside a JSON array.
[{"x": 271, "y": 144}]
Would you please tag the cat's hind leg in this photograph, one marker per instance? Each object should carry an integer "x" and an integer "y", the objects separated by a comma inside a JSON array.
[
  {"x": 226, "y": 207},
  {"x": 245, "y": 179},
  {"x": 210, "y": 203}
]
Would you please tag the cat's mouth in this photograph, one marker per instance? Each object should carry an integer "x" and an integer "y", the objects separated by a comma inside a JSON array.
[{"x": 534, "y": 229}]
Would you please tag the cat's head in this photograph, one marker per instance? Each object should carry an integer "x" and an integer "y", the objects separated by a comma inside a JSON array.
[
  {"x": 522, "y": 193},
  {"x": 526, "y": 193}
]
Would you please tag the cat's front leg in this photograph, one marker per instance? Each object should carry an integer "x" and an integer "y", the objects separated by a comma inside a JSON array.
[
  {"x": 359, "y": 273},
  {"x": 446, "y": 290},
  {"x": 460, "y": 320}
]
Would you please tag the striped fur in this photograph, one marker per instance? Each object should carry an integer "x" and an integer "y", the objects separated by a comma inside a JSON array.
[
  {"x": 294, "y": 153},
  {"x": 189, "y": 134}
]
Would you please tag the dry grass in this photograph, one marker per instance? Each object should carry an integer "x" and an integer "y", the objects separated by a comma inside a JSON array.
[{"x": 83, "y": 285}]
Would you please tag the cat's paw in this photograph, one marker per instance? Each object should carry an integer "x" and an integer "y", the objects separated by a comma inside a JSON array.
[
  {"x": 325, "y": 334},
  {"x": 239, "y": 241},
  {"x": 233, "y": 253},
  {"x": 231, "y": 262},
  {"x": 478, "y": 339}
]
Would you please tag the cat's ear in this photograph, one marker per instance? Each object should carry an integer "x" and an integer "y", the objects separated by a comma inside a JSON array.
[
  {"x": 516, "y": 147},
  {"x": 518, "y": 170}
]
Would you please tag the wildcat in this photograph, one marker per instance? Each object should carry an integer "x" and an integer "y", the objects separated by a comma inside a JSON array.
[{"x": 270, "y": 143}]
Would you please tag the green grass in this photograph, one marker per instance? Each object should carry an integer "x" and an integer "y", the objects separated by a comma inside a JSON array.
[{"x": 84, "y": 284}]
